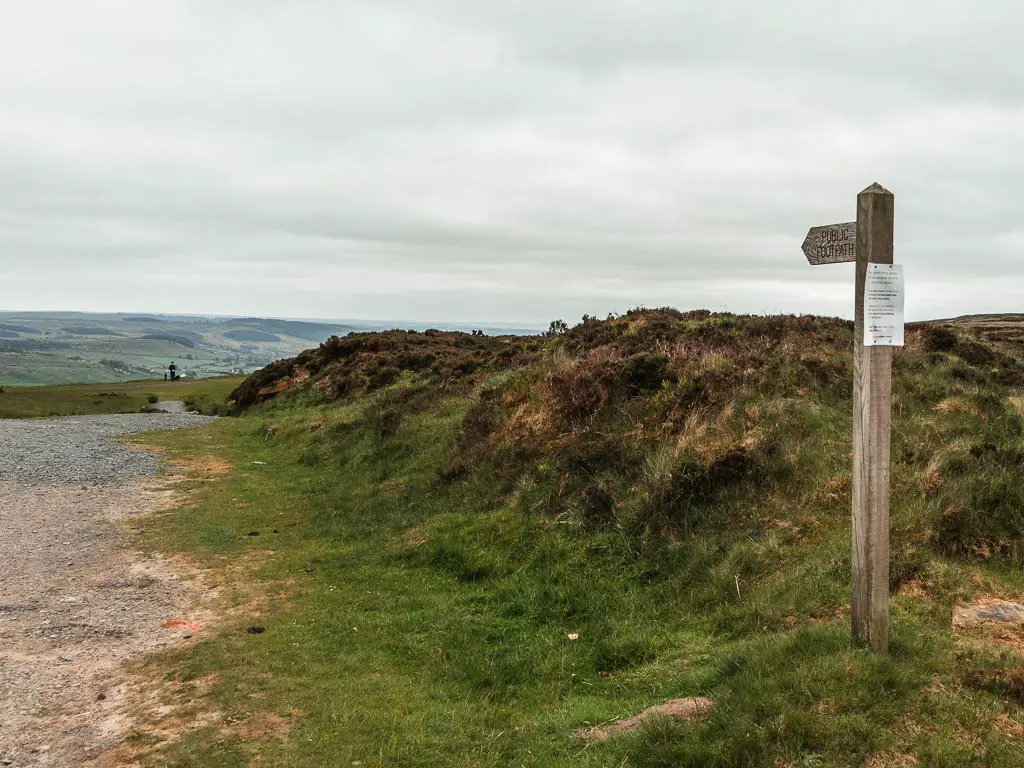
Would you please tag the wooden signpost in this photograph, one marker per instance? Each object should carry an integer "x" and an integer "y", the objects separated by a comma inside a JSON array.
[
  {"x": 869, "y": 242},
  {"x": 832, "y": 244}
]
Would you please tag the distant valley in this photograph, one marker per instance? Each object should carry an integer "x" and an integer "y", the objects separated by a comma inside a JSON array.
[
  {"x": 38, "y": 348},
  {"x": 71, "y": 347}
]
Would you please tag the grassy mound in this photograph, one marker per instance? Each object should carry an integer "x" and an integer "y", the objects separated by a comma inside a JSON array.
[
  {"x": 492, "y": 542},
  {"x": 662, "y": 424},
  {"x": 364, "y": 362}
]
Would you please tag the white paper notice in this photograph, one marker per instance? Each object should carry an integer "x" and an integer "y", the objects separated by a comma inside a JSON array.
[{"x": 883, "y": 306}]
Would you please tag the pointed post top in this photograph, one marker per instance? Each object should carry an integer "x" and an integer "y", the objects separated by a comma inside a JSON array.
[{"x": 876, "y": 189}]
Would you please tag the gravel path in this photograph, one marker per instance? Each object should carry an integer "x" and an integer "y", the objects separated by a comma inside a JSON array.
[
  {"x": 81, "y": 449},
  {"x": 74, "y": 603}
]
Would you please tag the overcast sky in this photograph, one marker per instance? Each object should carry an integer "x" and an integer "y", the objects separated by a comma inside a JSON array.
[{"x": 514, "y": 160}]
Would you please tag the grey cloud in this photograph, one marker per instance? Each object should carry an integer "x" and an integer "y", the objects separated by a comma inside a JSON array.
[{"x": 450, "y": 159}]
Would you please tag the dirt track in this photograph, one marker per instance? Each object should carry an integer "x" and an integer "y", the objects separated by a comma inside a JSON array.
[{"x": 76, "y": 603}]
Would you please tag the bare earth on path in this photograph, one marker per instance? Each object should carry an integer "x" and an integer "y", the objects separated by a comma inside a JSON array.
[{"x": 75, "y": 603}]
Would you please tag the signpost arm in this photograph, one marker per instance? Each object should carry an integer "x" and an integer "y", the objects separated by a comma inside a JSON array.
[{"x": 872, "y": 394}]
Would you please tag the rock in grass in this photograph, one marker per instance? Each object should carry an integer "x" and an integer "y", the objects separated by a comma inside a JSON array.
[
  {"x": 680, "y": 709},
  {"x": 999, "y": 612}
]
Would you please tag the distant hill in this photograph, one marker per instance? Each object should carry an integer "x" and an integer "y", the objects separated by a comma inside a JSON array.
[
  {"x": 996, "y": 328},
  {"x": 18, "y": 328},
  {"x": 1009, "y": 319},
  {"x": 90, "y": 331},
  {"x": 245, "y": 335},
  {"x": 178, "y": 333},
  {"x": 300, "y": 330},
  {"x": 78, "y": 347},
  {"x": 174, "y": 339},
  {"x": 73, "y": 347}
]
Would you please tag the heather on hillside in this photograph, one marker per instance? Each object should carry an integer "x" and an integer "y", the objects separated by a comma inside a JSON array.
[
  {"x": 643, "y": 421},
  {"x": 480, "y": 545}
]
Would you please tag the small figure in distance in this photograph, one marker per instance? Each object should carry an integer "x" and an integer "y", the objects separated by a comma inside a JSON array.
[{"x": 173, "y": 370}]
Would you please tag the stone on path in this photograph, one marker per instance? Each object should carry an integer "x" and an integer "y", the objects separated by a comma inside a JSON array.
[{"x": 997, "y": 611}]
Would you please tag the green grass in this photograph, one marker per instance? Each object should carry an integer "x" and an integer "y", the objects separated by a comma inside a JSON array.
[
  {"x": 426, "y": 622},
  {"x": 78, "y": 399},
  {"x": 675, "y": 490}
]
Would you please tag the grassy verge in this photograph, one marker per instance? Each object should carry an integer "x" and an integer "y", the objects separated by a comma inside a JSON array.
[
  {"x": 442, "y": 550},
  {"x": 79, "y": 399},
  {"x": 423, "y": 612}
]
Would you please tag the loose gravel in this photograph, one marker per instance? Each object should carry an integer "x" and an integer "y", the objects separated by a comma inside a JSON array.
[
  {"x": 82, "y": 449},
  {"x": 75, "y": 604}
]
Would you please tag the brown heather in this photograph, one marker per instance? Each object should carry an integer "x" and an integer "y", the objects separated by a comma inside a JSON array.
[{"x": 655, "y": 420}]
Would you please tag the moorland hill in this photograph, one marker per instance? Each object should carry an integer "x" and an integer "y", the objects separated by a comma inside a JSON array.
[{"x": 481, "y": 545}]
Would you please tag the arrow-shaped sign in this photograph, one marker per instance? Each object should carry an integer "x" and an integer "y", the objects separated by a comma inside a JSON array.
[{"x": 831, "y": 244}]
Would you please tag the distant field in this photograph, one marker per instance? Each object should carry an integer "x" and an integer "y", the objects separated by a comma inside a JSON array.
[
  {"x": 46, "y": 348},
  {"x": 37, "y": 402},
  {"x": 39, "y": 349}
]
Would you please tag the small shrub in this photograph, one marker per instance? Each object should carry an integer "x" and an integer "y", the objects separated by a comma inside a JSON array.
[
  {"x": 1006, "y": 683},
  {"x": 598, "y": 503},
  {"x": 310, "y": 457},
  {"x": 455, "y": 471},
  {"x": 939, "y": 338},
  {"x": 581, "y": 391},
  {"x": 973, "y": 353},
  {"x": 981, "y": 513},
  {"x": 557, "y": 328},
  {"x": 645, "y": 373}
]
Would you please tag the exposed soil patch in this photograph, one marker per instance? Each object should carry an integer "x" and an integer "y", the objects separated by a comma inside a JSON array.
[
  {"x": 263, "y": 726},
  {"x": 680, "y": 709},
  {"x": 892, "y": 760}
]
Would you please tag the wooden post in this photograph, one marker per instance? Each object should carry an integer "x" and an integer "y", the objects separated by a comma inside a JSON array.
[{"x": 872, "y": 394}]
